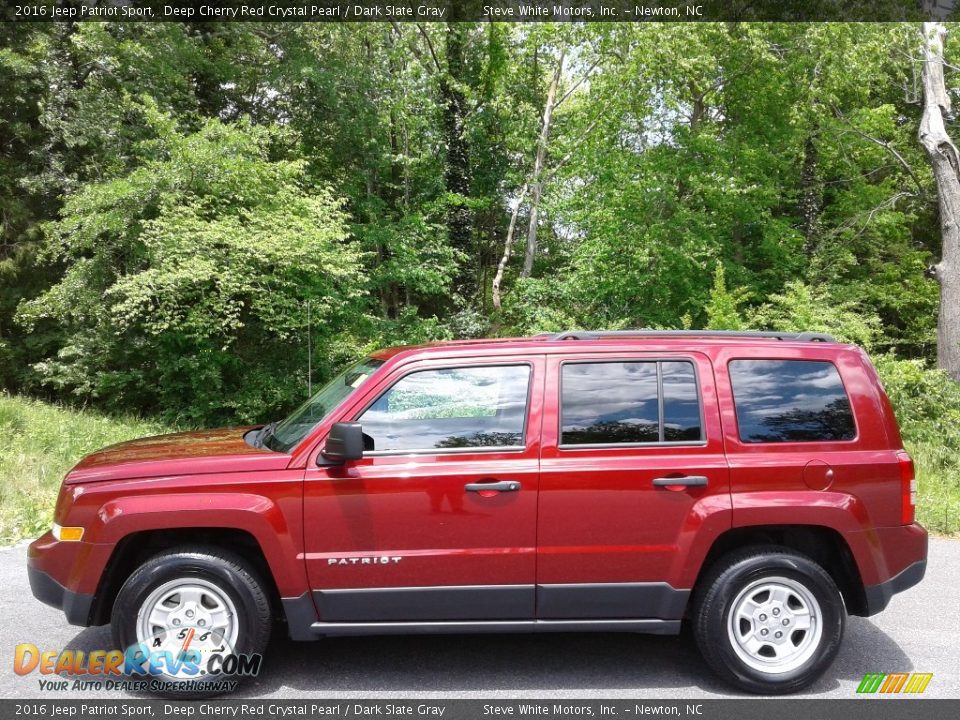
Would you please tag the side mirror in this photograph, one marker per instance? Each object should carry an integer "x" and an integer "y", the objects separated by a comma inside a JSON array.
[{"x": 345, "y": 442}]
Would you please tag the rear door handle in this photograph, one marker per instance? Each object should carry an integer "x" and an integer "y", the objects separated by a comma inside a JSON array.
[
  {"x": 502, "y": 486},
  {"x": 681, "y": 482}
]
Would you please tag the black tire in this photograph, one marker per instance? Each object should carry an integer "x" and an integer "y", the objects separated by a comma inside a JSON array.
[
  {"x": 714, "y": 601},
  {"x": 229, "y": 573}
]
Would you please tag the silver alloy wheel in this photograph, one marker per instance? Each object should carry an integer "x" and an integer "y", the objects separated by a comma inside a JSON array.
[
  {"x": 187, "y": 603},
  {"x": 775, "y": 625}
]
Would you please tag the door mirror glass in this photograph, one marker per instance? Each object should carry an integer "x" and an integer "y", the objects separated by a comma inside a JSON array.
[{"x": 345, "y": 442}]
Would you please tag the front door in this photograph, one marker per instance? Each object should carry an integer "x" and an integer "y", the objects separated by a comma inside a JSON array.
[
  {"x": 632, "y": 471},
  {"x": 438, "y": 520}
]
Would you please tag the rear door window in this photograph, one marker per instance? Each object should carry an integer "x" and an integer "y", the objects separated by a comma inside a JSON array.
[
  {"x": 790, "y": 401},
  {"x": 681, "y": 402},
  {"x": 628, "y": 403}
]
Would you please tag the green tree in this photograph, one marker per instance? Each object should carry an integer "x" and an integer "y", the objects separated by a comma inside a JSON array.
[
  {"x": 187, "y": 279},
  {"x": 724, "y": 309},
  {"x": 783, "y": 156}
]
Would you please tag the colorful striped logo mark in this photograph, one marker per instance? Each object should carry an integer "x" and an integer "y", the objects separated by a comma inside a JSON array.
[{"x": 894, "y": 682}]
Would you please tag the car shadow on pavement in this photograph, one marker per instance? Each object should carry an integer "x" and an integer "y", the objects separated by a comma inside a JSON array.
[
  {"x": 508, "y": 665},
  {"x": 505, "y": 664},
  {"x": 865, "y": 648}
]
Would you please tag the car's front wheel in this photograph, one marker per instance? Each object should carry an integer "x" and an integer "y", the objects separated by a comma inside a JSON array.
[
  {"x": 186, "y": 611},
  {"x": 768, "y": 620}
]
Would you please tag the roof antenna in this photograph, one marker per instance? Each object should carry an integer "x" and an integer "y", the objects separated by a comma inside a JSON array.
[{"x": 309, "y": 350}]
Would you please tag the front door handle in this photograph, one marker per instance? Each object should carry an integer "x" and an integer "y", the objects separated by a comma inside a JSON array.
[
  {"x": 502, "y": 486},
  {"x": 679, "y": 483}
]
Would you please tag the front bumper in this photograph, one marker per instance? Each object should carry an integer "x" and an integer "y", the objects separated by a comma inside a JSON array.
[
  {"x": 65, "y": 575},
  {"x": 76, "y": 606}
]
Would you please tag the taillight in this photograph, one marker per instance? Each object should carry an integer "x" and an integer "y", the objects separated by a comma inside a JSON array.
[{"x": 908, "y": 488}]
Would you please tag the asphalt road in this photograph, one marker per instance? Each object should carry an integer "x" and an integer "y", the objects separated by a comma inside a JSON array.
[{"x": 919, "y": 631}]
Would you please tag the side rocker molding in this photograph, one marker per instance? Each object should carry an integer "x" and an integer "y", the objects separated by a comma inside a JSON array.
[
  {"x": 426, "y": 604},
  {"x": 652, "y": 627},
  {"x": 611, "y": 600},
  {"x": 653, "y": 607}
]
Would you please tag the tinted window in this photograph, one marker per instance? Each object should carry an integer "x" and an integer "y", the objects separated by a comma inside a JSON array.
[
  {"x": 681, "y": 402},
  {"x": 450, "y": 408},
  {"x": 619, "y": 402},
  {"x": 790, "y": 401}
]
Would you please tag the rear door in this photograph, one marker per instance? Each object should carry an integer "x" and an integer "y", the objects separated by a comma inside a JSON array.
[
  {"x": 438, "y": 520},
  {"x": 633, "y": 475}
]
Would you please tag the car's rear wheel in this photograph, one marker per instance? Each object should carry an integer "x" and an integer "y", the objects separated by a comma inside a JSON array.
[
  {"x": 183, "y": 607},
  {"x": 768, "y": 620}
]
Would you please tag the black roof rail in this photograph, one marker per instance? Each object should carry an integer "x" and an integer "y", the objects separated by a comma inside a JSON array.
[{"x": 771, "y": 334}]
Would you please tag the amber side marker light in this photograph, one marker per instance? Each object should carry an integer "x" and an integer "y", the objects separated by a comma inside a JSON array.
[{"x": 67, "y": 534}]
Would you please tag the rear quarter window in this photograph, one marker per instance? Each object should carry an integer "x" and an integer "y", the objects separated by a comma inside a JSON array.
[{"x": 790, "y": 401}]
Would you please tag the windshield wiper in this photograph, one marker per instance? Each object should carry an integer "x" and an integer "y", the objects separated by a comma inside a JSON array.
[{"x": 266, "y": 433}]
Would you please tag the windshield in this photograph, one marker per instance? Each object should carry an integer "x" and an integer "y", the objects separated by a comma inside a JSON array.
[{"x": 306, "y": 417}]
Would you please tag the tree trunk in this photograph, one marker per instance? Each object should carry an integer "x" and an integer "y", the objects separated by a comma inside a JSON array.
[
  {"x": 507, "y": 248},
  {"x": 811, "y": 198},
  {"x": 536, "y": 181},
  {"x": 457, "y": 172},
  {"x": 946, "y": 170}
]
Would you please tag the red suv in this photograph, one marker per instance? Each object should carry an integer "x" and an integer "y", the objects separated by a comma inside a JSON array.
[{"x": 751, "y": 484}]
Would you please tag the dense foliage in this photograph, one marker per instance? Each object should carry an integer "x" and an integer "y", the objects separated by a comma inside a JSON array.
[
  {"x": 187, "y": 277},
  {"x": 182, "y": 205}
]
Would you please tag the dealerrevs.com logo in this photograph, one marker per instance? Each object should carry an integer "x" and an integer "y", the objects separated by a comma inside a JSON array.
[
  {"x": 189, "y": 660},
  {"x": 892, "y": 683}
]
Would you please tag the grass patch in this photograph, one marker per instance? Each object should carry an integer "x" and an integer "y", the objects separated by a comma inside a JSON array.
[
  {"x": 927, "y": 404},
  {"x": 938, "y": 487},
  {"x": 41, "y": 442}
]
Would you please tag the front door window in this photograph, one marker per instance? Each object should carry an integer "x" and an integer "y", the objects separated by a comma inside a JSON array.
[{"x": 450, "y": 408}]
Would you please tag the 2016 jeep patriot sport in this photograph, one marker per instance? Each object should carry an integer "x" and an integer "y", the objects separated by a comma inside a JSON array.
[{"x": 751, "y": 484}]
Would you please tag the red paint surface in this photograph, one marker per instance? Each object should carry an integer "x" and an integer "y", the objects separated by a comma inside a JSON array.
[{"x": 592, "y": 513}]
